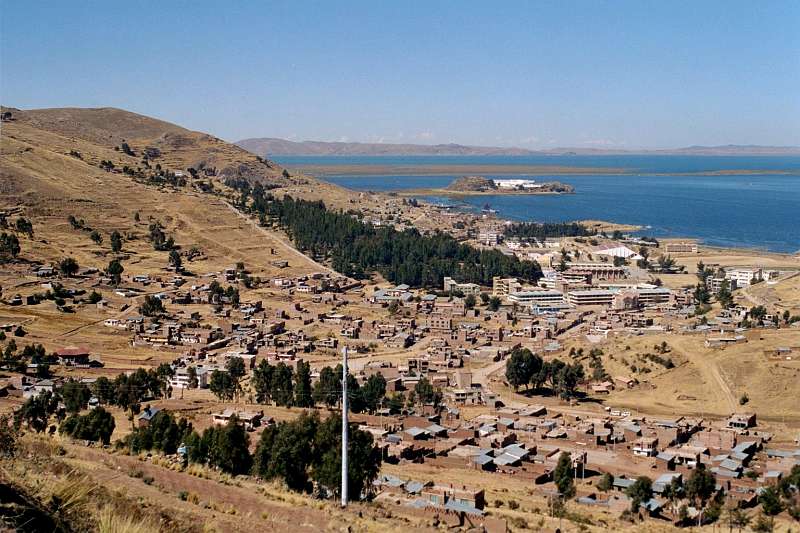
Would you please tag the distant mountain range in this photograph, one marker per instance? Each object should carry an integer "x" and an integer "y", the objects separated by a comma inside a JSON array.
[{"x": 272, "y": 147}]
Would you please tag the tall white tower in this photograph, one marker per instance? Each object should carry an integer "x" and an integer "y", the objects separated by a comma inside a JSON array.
[{"x": 344, "y": 427}]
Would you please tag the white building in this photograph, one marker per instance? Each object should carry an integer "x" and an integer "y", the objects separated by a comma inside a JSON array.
[
  {"x": 536, "y": 297},
  {"x": 618, "y": 251},
  {"x": 744, "y": 276},
  {"x": 516, "y": 184}
]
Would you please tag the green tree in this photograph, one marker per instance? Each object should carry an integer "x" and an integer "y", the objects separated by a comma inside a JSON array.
[
  {"x": 228, "y": 447},
  {"x": 563, "y": 475},
  {"x": 97, "y": 425},
  {"x": 286, "y": 451},
  {"x": 425, "y": 392},
  {"x": 96, "y": 237},
  {"x": 640, "y": 492},
  {"x": 221, "y": 385},
  {"x": 36, "y": 411},
  {"x": 116, "y": 241},
  {"x": 327, "y": 389},
  {"x": 770, "y": 501},
  {"x": 262, "y": 381},
  {"x": 75, "y": 395},
  {"x": 114, "y": 271},
  {"x": 281, "y": 385},
  {"x": 701, "y": 485},
  {"x": 152, "y": 306},
  {"x": 68, "y": 266},
  {"x": 302, "y": 385},
  {"x": 373, "y": 391},
  {"x": 364, "y": 459},
  {"x": 606, "y": 482},
  {"x": 9, "y": 247},
  {"x": 494, "y": 303},
  {"x": 469, "y": 301},
  {"x": 175, "y": 260},
  {"x": 521, "y": 366}
]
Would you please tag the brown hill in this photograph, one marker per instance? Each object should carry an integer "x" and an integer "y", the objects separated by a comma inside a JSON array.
[{"x": 50, "y": 169}]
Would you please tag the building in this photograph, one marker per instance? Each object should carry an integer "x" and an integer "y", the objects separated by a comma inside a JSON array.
[
  {"x": 451, "y": 285},
  {"x": 617, "y": 251},
  {"x": 681, "y": 248},
  {"x": 714, "y": 283},
  {"x": 590, "y": 297},
  {"x": 505, "y": 286},
  {"x": 541, "y": 298},
  {"x": 653, "y": 296},
  {"x": 743, "y": 277},
  {"x": 602, "y": 271},
  {"x": 489, "y": 237}
]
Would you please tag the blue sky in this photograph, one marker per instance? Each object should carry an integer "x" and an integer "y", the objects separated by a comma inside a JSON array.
[{"x": 532, "y": 74}]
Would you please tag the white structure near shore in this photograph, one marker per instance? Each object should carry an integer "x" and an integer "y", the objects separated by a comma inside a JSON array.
[{"x": 516, "y": 184}]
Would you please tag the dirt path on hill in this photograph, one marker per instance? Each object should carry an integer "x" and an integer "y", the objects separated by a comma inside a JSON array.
[
  {"x": 280, "y": 240},
  {"x": 723, "y": 386}
]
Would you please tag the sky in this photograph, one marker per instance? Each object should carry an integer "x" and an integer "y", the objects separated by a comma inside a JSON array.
[{"x": 617, "y": 74}]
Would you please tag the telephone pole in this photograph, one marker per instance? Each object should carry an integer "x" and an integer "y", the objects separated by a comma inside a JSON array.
[{"x": 344, "y": 427}]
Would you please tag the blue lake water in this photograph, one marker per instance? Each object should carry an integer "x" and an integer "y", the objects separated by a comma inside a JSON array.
[{"x": 752, "y": 210}]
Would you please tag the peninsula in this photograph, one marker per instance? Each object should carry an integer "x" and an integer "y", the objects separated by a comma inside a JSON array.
[{"x": 479, "y": 185}]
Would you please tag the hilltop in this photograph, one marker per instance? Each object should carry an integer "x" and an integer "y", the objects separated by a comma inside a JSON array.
[{"x": 278, "y": 147}]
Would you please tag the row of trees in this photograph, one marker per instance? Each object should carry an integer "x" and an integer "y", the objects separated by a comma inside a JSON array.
[
  {"x": 301, "y": 453},
  {"x": 356, "y": 248},
  {"x": 541, "y": 231},
  {"x": 526, "y": 369}
]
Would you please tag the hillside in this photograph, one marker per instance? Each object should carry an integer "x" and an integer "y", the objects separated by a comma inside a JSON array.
[
  {"x": 278, "y": 147},
  {"x": 50, "y": 169}
]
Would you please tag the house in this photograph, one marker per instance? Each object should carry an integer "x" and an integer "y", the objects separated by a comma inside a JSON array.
[
  {"x": 147, "y": 415},
  {"x": 73, "y": 355},
  {"x": 250, "y": 419},
  {"x": 645, "y": 447},
  {"x": 741, "y": 421}
]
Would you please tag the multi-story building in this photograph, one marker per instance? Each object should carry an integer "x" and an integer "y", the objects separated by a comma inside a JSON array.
[
  {"x": 590, "y": 297},
  {"x": 536, "y": 297},
  {"x": 451, "y": 285},
  {"x": 744, "y": 276},
  {"x": 681, "y": 247},
  {"x": 505, "y": 286}
]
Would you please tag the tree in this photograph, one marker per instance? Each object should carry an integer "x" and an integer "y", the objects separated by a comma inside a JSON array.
[
  {"x": 9, "y": 247},
  {"x": 764, "y": 524},
  {"x": 327, "y": 389},
  {"x": 281, "y": 385},
  {"x": 191, "y": 372},
  {"x": 97, "y": 425},
  {"x": 286, "y": 451},
  {"x": 114, "y": 271},
  {"x": 116, "y": 242},
  {"x": 494, "y": 303},
  {"x": 641, "y": 491},
  {"x": 424, "y": 391},
  {"x": 228, "y": 447},
  {"x": 619, "y": 261},
  {"x": 563, "y": 475},
  {"x": 152, "y": 306},
  {"x": 737, "y": 518},
  {"x": 68, "y": 266},
  {"x": 373, "y": 391},
  {"x": 175, "y": 260},
  {"x": 701, "y": 295},
  {"x": 94, "y": 297},
  {"x": 700, "y": 485},
  {"x": 770, "y": 501},
  {"x": 96, "y": 237},
  {"x": 469, "y": 301},
  {"x": 221, "y": 385},
  {"x": 36, "y": 411},
  {"x": 521, "y": 367},
  {"x": 364, "y": 459},
  {"x": 302, "y": 388},
  {"x": 262, "y": 381},
  {"x": 724, "y": 296},
  {"x": 25, "y": 226},
  {"x": 75, "y": 395},
  {"x": 606, "y": 482}
]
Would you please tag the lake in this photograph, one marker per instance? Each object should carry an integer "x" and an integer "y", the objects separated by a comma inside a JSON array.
[{"x": 743, "y": 210}]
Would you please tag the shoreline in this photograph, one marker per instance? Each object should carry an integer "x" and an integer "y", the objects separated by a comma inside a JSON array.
[
  {"x": 358, "y": 171},
  {"x": 448, "y": 192}
]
